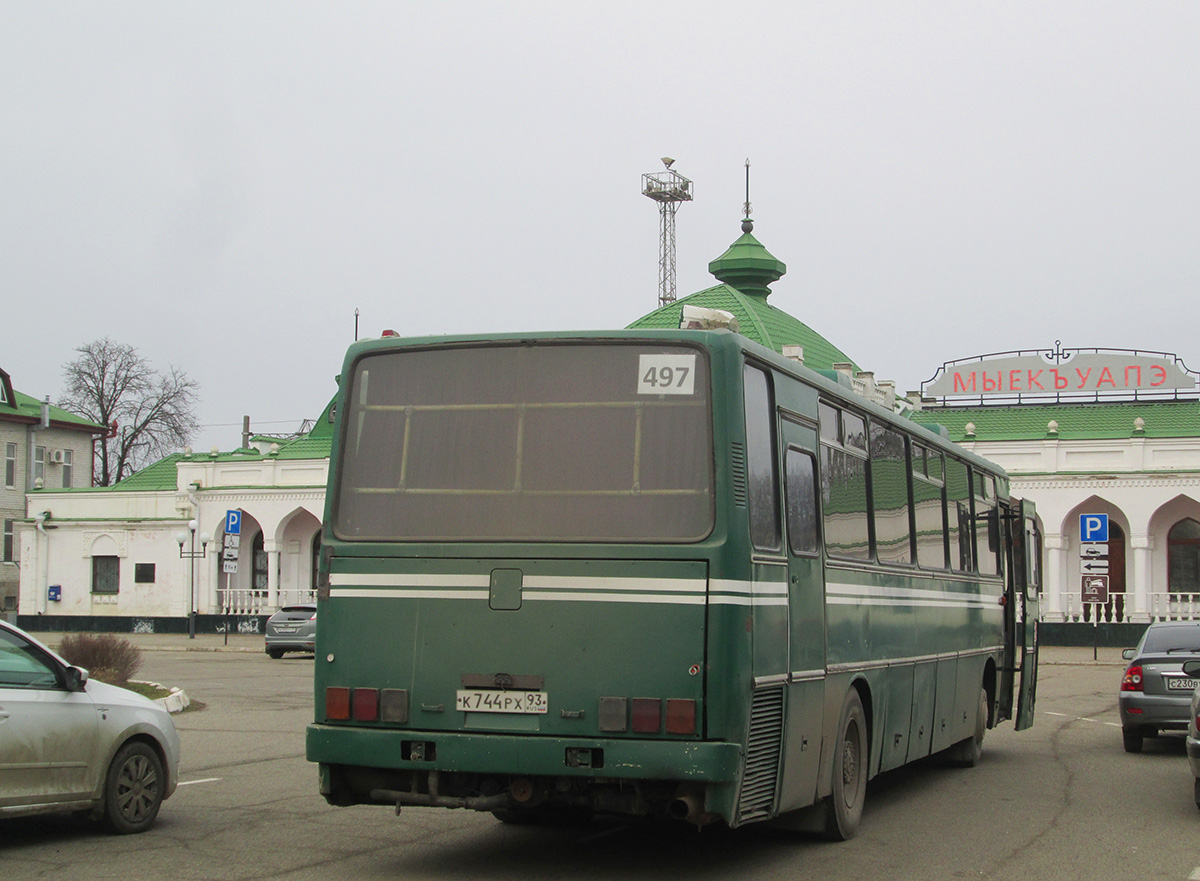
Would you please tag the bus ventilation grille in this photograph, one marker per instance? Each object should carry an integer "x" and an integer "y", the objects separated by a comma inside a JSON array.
[
  {"x": 737, "y": 461},
  {"x": 757, "y": 797}
]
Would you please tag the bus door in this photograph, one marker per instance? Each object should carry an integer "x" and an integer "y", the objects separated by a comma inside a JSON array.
[
  {"x": 1027, "y": 639},
  {"x": 1012, "y": 529},
  {"x": 1022, "y": 586},
  {"x": 806, "y": 605}
]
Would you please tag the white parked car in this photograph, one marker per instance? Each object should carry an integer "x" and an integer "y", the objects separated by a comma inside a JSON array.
[{"x": 68, "y": 744}]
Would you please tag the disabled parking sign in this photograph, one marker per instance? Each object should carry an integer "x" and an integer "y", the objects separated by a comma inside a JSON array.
[{"x": 1093, "y": 527}]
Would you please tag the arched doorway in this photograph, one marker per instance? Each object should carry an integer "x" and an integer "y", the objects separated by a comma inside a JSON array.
[
  {"x": 1183, "y": 561},
  {"x": 259, "y": 567}
]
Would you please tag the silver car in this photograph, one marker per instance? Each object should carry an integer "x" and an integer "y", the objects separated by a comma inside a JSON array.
[
  {"x": 68, "y": 744},
  {"x": 1155, "y": 692},
  {"x": 292, "y": 629},
  {"x": 1192, "y": 669}
]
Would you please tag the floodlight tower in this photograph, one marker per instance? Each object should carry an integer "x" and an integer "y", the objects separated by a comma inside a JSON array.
[{"x": 667, "y": 188}]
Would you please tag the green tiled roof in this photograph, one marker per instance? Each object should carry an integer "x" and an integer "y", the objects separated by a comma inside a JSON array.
[
  {"x": 31, "y": 408},
  {"x": 161, "y": 476},
  {"x": 1075, "y": 421},
  {"x": 759, "y": 320}
]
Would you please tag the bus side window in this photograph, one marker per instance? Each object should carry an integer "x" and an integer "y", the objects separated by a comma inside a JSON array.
[
  {"x": 890, "y": 501},
  {"x": 763, "y": 485},
  {"x": 844, "y": 503},
  {"x": 987, "y": 544},
  {"x": 958, "y": 509},
  {"x": 801, "y": 493},
  {"x": 930, "y": 508}
]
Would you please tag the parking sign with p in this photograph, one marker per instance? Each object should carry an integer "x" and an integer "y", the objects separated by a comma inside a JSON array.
[{"x": 1093, "y": 527}]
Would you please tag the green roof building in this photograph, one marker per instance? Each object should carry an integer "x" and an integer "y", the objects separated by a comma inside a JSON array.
[
  {"x": 42, "y": 446},
  {"x": 1117, "y": 434}
]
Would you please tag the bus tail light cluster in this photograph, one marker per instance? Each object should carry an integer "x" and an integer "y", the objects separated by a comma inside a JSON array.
[
  {"x": 645, "y": 715},
  {"x": 366, "y": 704},
  {"x": 1133, "y": 679}
]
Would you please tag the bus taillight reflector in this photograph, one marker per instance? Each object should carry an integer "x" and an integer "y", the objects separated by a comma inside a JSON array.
[
  {"x": 647, "y": 715},
  {"x": 337, "y": 703},
  {"x": 612, "y": 714},
  {"x": 681, "y": 716},
  {"x": 366, "y": 704}
]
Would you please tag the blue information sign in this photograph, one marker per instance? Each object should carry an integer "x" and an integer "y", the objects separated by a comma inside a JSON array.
[
  {"x": 233, "y": 522},
  {"x": 1093, "y": 527}
]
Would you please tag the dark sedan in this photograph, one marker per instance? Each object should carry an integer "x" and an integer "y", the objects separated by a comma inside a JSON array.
[{"x": 1156, "y": 694}]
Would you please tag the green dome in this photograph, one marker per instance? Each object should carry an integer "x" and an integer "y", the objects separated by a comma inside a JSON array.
[
  {"x": 745, "y": 270},
  {"x": 747, "y": 265}
]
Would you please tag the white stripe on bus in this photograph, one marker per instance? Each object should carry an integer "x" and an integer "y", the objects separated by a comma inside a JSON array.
[
  {"x": 643, "y": 590},
  {"x": 376, "y": 579}
]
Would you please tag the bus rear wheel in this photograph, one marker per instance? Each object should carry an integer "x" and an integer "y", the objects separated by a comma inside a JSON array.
[{"x": 845, "y": 804}]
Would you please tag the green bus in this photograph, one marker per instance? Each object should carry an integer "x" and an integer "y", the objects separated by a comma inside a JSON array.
[{"x": 653, "y": 572}]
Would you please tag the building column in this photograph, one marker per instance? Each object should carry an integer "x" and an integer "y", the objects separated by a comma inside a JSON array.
[
  {"x": 1054, "y": 578},
  {"x": 214, "y": 579},
  {"x": 1142, "y": 545},
  {"x": 272, "y": 549}
]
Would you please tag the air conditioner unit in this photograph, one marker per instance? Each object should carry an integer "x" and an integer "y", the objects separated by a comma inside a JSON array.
[{"x": 57, "y": 456}]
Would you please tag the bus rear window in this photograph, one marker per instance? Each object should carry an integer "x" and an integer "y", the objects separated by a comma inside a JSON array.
[{"x": 557, "y": 442}]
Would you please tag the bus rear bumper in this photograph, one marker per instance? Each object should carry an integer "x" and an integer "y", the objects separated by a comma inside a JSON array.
[{"x": 702, "y": 762}]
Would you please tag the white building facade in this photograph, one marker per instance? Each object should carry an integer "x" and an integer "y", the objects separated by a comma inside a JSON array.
[
  {"x": 1126, "y": 451},
  {"x": 128, "y": 552}
]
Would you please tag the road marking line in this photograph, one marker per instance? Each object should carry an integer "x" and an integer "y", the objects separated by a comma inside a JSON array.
[{"x": 205, "y": 780}]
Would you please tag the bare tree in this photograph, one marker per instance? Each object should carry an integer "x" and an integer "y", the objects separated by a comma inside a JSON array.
[{"x": 149, "y": 414}]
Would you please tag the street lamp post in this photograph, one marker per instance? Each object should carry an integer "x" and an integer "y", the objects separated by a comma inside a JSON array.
[{"x": 193, "y": 555}]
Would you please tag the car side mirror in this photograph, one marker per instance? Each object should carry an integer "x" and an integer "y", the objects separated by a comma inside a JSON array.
[
  {"x": 1128, "y": 654},
  {"x": 76, "y": 678},
  {"x": 1191, "y": 668}
]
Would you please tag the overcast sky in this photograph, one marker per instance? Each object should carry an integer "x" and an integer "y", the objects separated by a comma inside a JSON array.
[{"x": 221, "y": 185}]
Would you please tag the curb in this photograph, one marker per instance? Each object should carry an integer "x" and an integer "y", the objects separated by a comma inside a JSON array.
[{"x": 175, "y": 702}]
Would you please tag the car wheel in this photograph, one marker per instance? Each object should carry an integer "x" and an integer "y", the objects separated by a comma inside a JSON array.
[
  {"x": 1133, "y": 739},
  {"x": 1197, "y": 792},
  {"x": 849, "y": 771},
  {"x": 968, "y": 751},
  {"x": 133, "y": 788},
  {"x": 275, "y": 654}
]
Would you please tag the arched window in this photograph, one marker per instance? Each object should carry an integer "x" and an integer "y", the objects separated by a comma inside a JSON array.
[
  {"x": 316, "y": 560},
  {"x": 258, "y": 569},
  {"x": 1183, "y": 558}
]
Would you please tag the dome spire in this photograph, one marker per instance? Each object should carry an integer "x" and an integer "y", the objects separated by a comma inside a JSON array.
[
  {"x": 747, "y": 223},
  {"x": 747, "y": 265}
]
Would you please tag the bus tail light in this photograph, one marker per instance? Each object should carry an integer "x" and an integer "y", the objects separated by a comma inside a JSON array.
[
  {"x": 366, "y": 704},
  {"x": 337, "y": 703},
  {"x": 647, "y": 715},
  {"x": 681, "y": 716},
  {"x": 1133, "y": 679}
]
